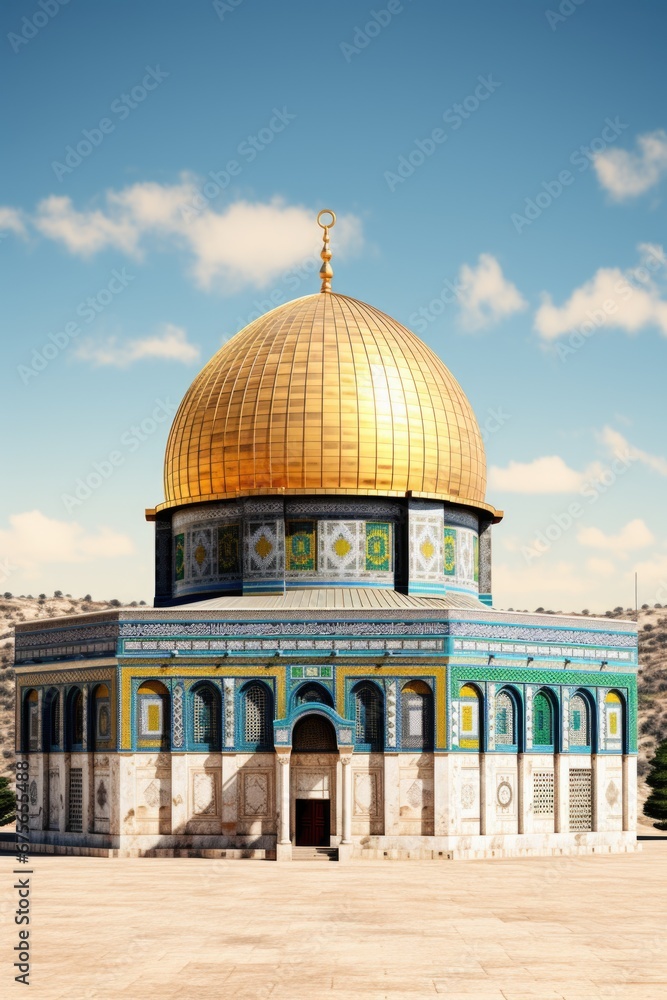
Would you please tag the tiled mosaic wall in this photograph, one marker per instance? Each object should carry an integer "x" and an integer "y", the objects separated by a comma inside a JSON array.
[
  {"x": 260, "y": 545},
  {"x": 269, "y": 544},
  {"x": 495, "y": 709}
]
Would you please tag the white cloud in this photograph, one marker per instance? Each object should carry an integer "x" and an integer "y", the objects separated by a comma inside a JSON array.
[
  {"x": 600, "y": 567},
  {"x": 628, "y": 300},
  {"x": 84, "y": 233},
  {"x": 11, "y": 219},
  {"x": 246, "y": 243},
  {"x": 625, "y": 174},
  {"x": 635, "y": 535},
  {"x": 542, "y": 583},
  {"x": 620, "y": 447},
  {"x": 486, "y": 296},
  {"x": 171, "y": 344},
  {"x": 652, "y": 576},
  {"x": 552, "y": 474},
  {"x": 34, "y": 540},
  {"x": 548, "y": 474}
]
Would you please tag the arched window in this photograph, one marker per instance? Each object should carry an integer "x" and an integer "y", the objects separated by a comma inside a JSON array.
[
  {"x": 313, "y": 693},
  {"x": 579, "y": 723},
  {"x": 506, "y": 721},
  {"x": 75, "y": 719},
  {"x": 469, "y": 727},
  {"x": 206, "y": 717},
  {"x": 369, "y": 729},
  {"x": 30, "y": 734},
  {"x": 417, "y": 716},
  {"x": 52, "y": 719},
  {"x": 613, "y": 706},
  {"x": 543, "y": 720},
  {"x": 257, "y": 716},
  {"x": 101, "y": 715},
  {"x": 314, "y": 734},
  {"x": 153, "y": 723}
]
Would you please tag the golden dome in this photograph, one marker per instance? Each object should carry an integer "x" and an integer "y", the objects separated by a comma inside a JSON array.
[{"x": 325, "y": 394}]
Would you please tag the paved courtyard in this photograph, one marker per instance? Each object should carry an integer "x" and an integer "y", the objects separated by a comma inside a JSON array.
[{"x": 541, "y": 929}]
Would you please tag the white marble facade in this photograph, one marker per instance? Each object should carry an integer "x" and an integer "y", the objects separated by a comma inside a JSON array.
[{"x": 458, "y": 805}]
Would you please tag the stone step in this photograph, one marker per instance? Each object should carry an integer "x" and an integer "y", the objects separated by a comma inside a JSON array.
[{"x": 314, "y": 854}]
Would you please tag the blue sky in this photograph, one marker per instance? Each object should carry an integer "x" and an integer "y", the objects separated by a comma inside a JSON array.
[{"x": 499, "y": 172}]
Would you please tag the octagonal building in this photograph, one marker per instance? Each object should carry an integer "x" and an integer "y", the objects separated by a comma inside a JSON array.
[{"x": 323, "y": 674}]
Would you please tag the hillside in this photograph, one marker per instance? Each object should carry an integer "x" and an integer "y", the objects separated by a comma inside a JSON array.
[
  {"x": 24, "y": 609},
  {"x": 652, "y": 670}
]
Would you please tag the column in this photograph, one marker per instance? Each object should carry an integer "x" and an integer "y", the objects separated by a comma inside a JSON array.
[
  {"x": 524, "y": 793},
  {"x": 64, "y": 767},
  {"x": 562, "y": 792},
  {"x": 629, "y": 792},
  {"x": 392, "y": 810},
  {"x": 441, "y": 795},
  {"x": 284, "y": 844},
  {"x": 126, "y": 802},
  {"x": 86, "y": 763},
  {"x": 487, "y": 797},
  {"x": 230, "y": 800},
  {"x": 598, "y": 783},
  {"x": 345, "y": 847},
  {"x": 179, "y": 793}
]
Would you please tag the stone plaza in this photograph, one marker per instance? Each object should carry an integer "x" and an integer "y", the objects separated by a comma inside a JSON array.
[{"x": 567, "y": 928}]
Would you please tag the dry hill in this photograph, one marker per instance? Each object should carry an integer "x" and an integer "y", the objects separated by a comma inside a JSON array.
[{"x": 24, "y": 609}]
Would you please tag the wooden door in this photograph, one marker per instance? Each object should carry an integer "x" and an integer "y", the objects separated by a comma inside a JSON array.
[{"x": 312, "y": 822}]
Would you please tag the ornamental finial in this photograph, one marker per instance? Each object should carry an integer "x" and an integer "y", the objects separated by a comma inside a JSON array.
[{"x": 326, "y": 271}]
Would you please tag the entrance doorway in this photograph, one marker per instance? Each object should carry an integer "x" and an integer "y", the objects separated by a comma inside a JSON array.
[{"x": 313, "y": 819}]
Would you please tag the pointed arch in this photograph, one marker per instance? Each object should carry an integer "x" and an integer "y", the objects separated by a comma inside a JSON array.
[
  {"x": 206, "y": 717},
  {"x": 615, "y": 721},
  {"x": 52, "y": 719},
  {"x": 256, "y": 716},
  {"x": 314, "y": 733},
  {"x": 416, "y": 716},
  {"x": 100, "y": 727},
  {"x": 471, "y": 702},
  {"x": 30, "y": 721},
  {"x": 581, "y": 723},
  {"x": 368, "y": 703},
  {"x": 544, "y": 720},
  {"x": 508, "y": 719},
  {"x": 153, "y": 715},
  {"x": 74, "y": 720},
  {"x": 312, "y": 691}
]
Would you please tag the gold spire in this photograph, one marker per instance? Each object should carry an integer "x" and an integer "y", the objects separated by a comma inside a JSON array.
[{"x": 326, "y": 271}]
